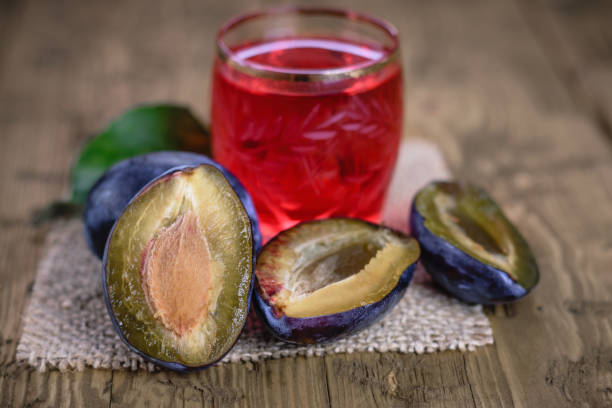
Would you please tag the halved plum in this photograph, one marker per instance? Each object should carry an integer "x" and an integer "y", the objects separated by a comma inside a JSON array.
[
  {"x": 178, "y": 267},
  {"x": 322, "y": 280},
  {"x": 116, "y": 187},
  {"x": 469, "y": 246}
]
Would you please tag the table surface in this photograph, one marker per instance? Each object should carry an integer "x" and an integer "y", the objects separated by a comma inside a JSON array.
[{"x": 517, "y": 93}]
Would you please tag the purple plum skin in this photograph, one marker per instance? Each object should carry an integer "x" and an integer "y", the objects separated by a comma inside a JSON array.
[
  {"x": 320, "y": 329},
  {"x": 460, "y": 274},
  {"x": 113, "y": 191},
  {"x": 174, "y": 366}
]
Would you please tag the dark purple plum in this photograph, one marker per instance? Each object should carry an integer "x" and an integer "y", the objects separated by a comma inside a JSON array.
[
  {"x": 468, "y": 245},
  {"x": 322, "y": 280},
  {"x": 178, "y": 268},
  {"x": 111, "y": 193}
]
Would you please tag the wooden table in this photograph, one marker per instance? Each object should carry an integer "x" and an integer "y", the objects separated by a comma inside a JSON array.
[{"x": 517, "y": 93}]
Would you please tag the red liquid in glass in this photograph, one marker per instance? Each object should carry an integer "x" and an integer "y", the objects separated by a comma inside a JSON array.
[{"x": 309, "y": 150}]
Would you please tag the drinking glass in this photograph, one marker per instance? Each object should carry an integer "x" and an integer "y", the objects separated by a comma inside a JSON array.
[{"x": 307, "y": 112}]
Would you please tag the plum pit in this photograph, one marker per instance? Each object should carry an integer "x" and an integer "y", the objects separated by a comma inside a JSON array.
[{"x": 176, "y": 275}]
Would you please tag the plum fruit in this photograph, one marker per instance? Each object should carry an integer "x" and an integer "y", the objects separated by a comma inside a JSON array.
[
  {"x": 322, "y": 280},
  {"x": 111, "y": 193},
  {"x": 178, "y": 268},
  {"x": 468, "y": 245}
]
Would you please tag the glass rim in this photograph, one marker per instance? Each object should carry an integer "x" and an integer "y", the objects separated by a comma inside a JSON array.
[{"x": 226, "y": 55}]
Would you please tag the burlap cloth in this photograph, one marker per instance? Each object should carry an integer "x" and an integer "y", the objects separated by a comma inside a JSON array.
[{"x": 66, "y": 324}]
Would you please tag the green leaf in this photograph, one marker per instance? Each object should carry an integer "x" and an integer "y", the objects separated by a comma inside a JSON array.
[{"x": 143, "y": 129}]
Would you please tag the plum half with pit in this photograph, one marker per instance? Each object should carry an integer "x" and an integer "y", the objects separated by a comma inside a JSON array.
[
  {"x": 116, "y": 187},
  {"x": 178, "y": 268},
  {"x": 468, "y": 245},
  {"x": 322, "y": 280}
]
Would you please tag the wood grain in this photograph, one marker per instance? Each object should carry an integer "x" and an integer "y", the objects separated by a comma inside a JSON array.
[
  {"x": 293, "y": 382},
  {"x": 577, "y": 38},
  {"x": 516, "y": 93}
]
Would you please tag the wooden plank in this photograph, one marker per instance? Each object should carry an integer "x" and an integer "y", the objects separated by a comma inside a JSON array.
[
  {"x": 516, "y": 127},
  {"x": 571, "y": 320},
  {"x": 577, "y": 38},
  {"x": 479, "y": 85},
  {"x": 391, "y": 379},
  {"x": 25, "y": 387},
  {"x": 274, "y": 383},
  {"x": 476, "y": 83},
  {"x": 487, "y": 381},
  {"x": 72, "y": 86}
]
